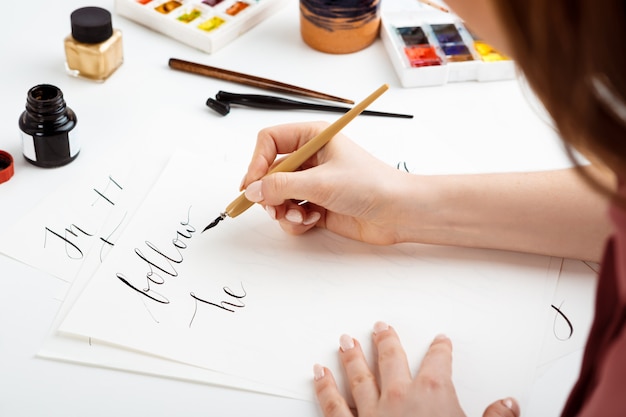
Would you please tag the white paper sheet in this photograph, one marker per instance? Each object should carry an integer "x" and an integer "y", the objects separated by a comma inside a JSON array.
[
  {"x": 279, "y": 303},
  {"x": 123, "y": 193},
  {"x": 83, "y": 216}
]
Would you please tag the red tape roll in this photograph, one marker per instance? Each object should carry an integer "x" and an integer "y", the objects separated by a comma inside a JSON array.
[{"x": 6, "y": 166}]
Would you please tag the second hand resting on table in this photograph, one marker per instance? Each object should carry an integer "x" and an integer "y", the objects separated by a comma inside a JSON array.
[
  {"x": 353, "y": 194},
  {"x": 395, "y": 392}
]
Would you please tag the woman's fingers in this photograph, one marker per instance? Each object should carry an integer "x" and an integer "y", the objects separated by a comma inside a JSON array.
[
  {"x": 434, "y": 379},
  {"x": 331, "y": 401},
  {"x": 392, "y": 362},
  {"x": 361, "y": 380},
  {"x": 431, "y": 393},
  {"x": 435, "y": 372},
  {"x": 278, "y": 140}
]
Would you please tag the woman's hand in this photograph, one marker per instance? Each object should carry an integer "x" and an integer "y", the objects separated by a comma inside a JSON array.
[
  {"x": 396, "y": 393},
  {"x": 353, "y": 194},
  {"x": 346, "y": 190}
]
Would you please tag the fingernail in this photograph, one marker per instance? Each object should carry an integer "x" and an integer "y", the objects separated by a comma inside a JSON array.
[
  {"x": 318, "y": 372},
  {"x": 254, "y": 192},
  {"x": 312, "y": 218},
  {"x": 346, "y": 342},
  {"x": 380, "y": 326},
  {"x": 294, "y": 216},
  {"x": 440, "y": 337},
  {"x": 508, "y": 403},
  {"x": 243, "y": 181},
  {"x": 271, "y": 211}
]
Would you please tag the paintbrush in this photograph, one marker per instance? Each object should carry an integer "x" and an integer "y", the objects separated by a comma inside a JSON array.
[
  {"x": 224, "y": 99},
  {"x": 297, "y": 158},
  {"x": 250, "y": 80}
]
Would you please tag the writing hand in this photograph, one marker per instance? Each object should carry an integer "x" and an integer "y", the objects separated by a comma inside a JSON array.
[
  {"x": 348, "y": 191},
  {"x": 395, "y": 392}
]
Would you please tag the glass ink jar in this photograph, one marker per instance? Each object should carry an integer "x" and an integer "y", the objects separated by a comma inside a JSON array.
[
  {"x": 339, "y": 26},
  {"x": 46, "y": 125},
  {"x": 94, "y": 49}
]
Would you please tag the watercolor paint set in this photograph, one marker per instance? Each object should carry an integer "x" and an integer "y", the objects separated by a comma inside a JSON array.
[
  {"x": 207, "y": 25},
  {"x": 428, "y": 47}
]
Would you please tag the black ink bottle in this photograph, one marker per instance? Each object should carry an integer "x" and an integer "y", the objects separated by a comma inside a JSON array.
[{"x": 46, "y": 127}]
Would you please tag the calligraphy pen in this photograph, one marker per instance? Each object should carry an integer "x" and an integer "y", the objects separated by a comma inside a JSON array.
[
  {"x": 297, "y": 158},
  {"x": 223, "y": 99},
  {"x": 247, "y": 79}
]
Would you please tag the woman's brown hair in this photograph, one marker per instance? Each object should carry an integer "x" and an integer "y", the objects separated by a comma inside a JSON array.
[{"x": 571, "y": 52}]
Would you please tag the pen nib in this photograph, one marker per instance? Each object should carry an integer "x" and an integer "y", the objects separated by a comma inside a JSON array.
[{"x": 214, "y": 223}]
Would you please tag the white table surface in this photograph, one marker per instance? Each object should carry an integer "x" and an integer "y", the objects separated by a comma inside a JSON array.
[{"x": 464, "y": 128}]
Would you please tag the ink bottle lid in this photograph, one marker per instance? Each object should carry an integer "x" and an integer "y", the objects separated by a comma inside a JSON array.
[
  {"x": 47, "y": 128},
  {"x": 94, "y": 48},
  {"x": 91, "y": 24},
  {"x": 6, "y": 166}
]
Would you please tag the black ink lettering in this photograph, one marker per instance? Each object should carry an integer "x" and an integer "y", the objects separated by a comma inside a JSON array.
[
  {"x": 107, "y": 242},
  {"x": 151, "y": 264},
  {"x": 163, "y": 263},
  {"x": 190, "y": 229},
  {"x": 170, "y": 259},
  {"x": 232, "y": 294},
  {"x": 568, "y": 335},
  {"x": 102, "y": 194},
  {"x": 223, "y": 305},
  {"x": 402, "y": 166},
  {"x": 178, "y": 245},
  {"x": 159, "y": 298},
  {"x": 72, "y": 250},
  {"x": 115, "y": 182}
]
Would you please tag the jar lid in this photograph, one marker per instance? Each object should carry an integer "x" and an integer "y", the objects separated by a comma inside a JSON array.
[
  {"x": 91, "y": 24},
  {"x": 6, "y": 166}
]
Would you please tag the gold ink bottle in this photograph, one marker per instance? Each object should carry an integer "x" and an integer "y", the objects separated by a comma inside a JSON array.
[{"x": 94, "y": 49}]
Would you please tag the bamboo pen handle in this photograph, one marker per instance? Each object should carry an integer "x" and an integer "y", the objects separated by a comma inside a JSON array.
[{"x": 297, "y": 158}]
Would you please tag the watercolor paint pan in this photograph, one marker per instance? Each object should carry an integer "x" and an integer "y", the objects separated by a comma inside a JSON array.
[
  {"x": 430, "y": 48},
  {"x": 207, "y": 25}
]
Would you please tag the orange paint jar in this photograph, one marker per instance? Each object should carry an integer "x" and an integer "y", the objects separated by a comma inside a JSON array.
[{"x": 339, "y": 26}]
